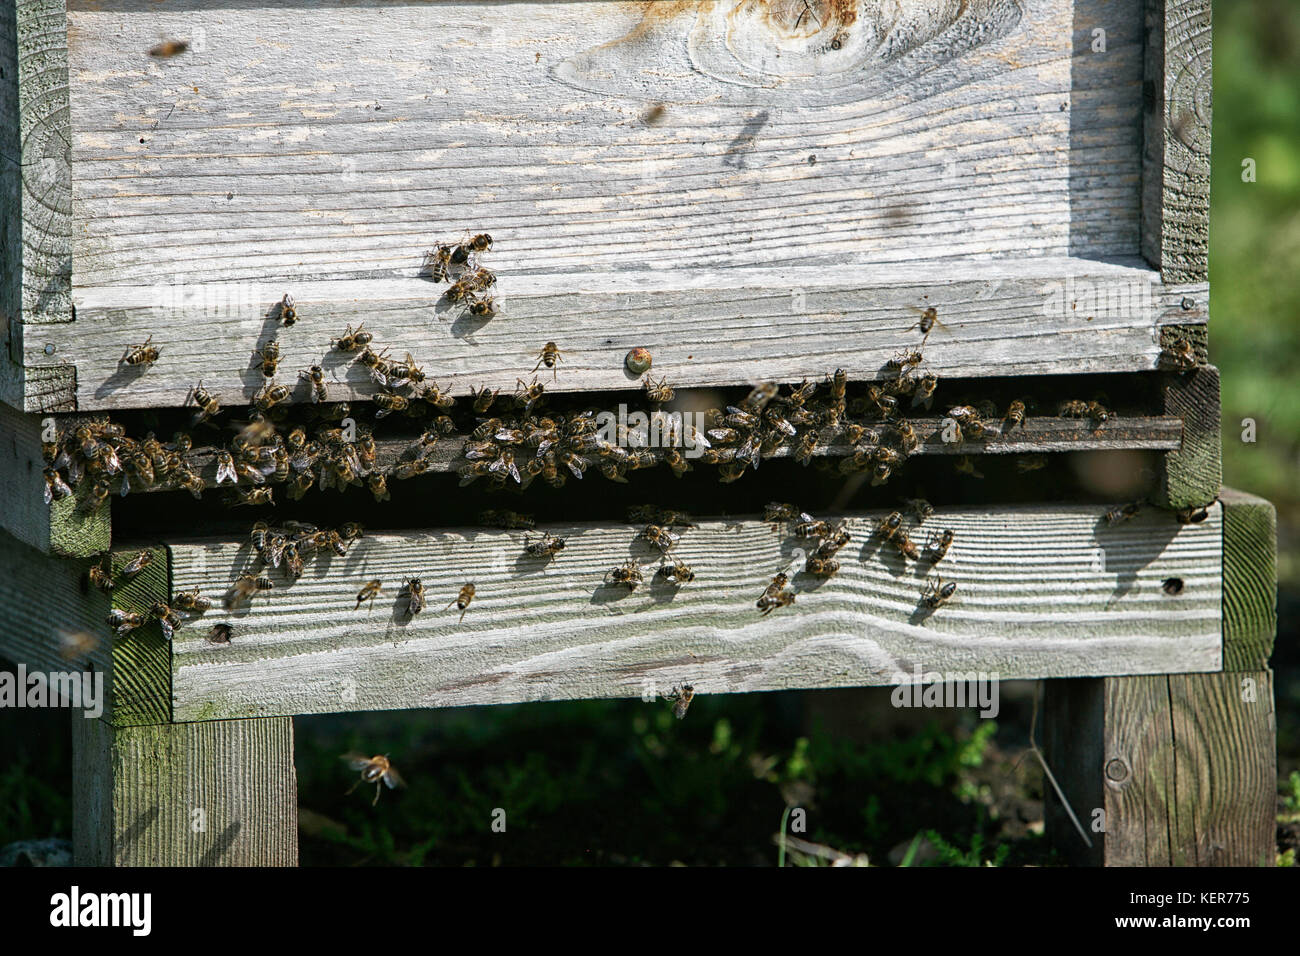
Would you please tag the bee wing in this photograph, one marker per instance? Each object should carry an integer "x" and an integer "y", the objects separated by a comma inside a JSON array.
[
  {"x": 226, "y": 472},
  {"x": 166, "y": 626},
  {"x": 49, "y": 492},
  {"x": 355, "y": 761},
  {"x": 575, "y": 466},
  {"x": 393, "y": 779}
]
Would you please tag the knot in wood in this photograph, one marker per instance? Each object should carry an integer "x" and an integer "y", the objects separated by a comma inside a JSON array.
[{"x": 1117, "y": 770}]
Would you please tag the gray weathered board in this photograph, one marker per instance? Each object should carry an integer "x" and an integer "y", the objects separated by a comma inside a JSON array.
[
  {"x": 753, "y": 189},
  {"x": 1042, "y": 592}
]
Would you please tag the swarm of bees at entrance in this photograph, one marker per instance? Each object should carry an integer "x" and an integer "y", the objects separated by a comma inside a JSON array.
[
  {"x": 287, "y": 547},
  {"x": 460, "y": 265}
]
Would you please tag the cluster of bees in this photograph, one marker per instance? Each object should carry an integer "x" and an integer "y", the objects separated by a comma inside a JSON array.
[
  {"x": 659, "y": 535},
  {"x": 459, "y": 265},
  {"x": 93, "y": 455},
  {"x": 170, "y": 615}
]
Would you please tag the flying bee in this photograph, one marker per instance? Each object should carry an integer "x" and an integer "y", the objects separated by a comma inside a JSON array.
[
  {"x": 124, "y": 621},
  {"x": 936, "y": 592},
  {"x": 250, "y": 497},
  {"x": 268, "y": 357},
  {"x": 101, "y": 575},
  {"x": 923, "y": 394},
  {"x": 351, "y": 339},
  {"x": 659, "y": 393},
  {"x": 904, "y": 360},
  {"x": 676, "y": 461},
  {"x": 1122, "y": 513},
  {"x": 367, "y": 593},
  {"x": 136, "y": 565},
  {"x": 220, "y": 634},
  {"x": 938, "y": 546},
  {"x": 1028, "y": 463},
  {"x": 415, "y": 596},
  {"x": 681, "y": 698},
  {"x": 676, "y": 573},
  {"x": 660, "y": 537},
  {"x": 271, "y": 395},
  {"x": 547, "y": 547},
  {"x": 75, "y": 645},
  {"x": 288, "y": 311},
  {"x": 462, "y": 599},
  {"x": 965, "y": 465},
  {"x": 168, "y": 620},
  {"x": 485, "y": 307},
  {"x": 315, "y": 375},
  {"x": 550, "y": 357},
  {"x": 168, "y": 49},
  {"x": 926, "y": 323},
  {"x": 389, "y": 402},
  {"x": 56, "y": 489},
  {"x": 437, "y": 263},
  {"x": 377, "y": 770},
  {"x": 300, "y": 484},
  {"x": 207, "y": 405},
  {"x": 191, "y": 601},
  {"x": 628, "y": 574},
  {"x": 145, "y": 354}
]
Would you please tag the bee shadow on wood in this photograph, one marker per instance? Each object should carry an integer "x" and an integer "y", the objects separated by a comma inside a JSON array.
[
  {"x": 124, "y": 377},
  {"x": 1121, "y": 558},
  {"x": 609, "y": 593},
  {"x": 526, "y": 563},
  {"x": 221, "y": 847},
  {"x": 921, "y": 613},
  {"x": 663, "y": 591},
  {"x": 466, "y": 323},
  {"x": 805, "y": 583}
]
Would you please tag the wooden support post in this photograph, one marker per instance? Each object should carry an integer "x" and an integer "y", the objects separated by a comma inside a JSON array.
[
  {"x": 222, "y": 793},
  {"x": 1183, "y": 767},
  {"x": 1191, "y": 476}
]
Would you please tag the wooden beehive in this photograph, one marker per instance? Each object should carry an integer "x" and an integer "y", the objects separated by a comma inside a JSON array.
[{"x": 755, "y": 191}]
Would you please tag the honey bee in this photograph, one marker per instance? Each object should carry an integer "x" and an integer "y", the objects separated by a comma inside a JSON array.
[
  {"x": 926, "y": 323},
  {"x": 1073, "y": 409},
  {"x": 660, "y": 537},
  {"x": 676, "y": 573},
  {"x": 405, "y": 373},
  {"x": 1193, "y": 514},
  {"x": 389, "y": 402},
  {"x": 315, "y": 375},
  {"x": 437, "y": 263},
  {"x": 293, "y": 563},
  {"x": 377, "y": 364},
  {"x": 659, "y": 393},
  {"x": 506, "y": 519},
  {"x": 938, "y": 546},
  {"x": 367, "y": 593},
  {"x": 1098, "y": 413},
  {"x": 462, "y": 600},
  {"x": 377, "y": 770},
  {"x": 809, "y": 527},
  {"x": 483, "y": 398},
  {"x": 168, "y": 49},
  {"x": 821, "y": 567},
  {"x": 226, "y": 468},
  {"x": 288, "y": 312},
  {"x": 775, "y": 596},
  {"x": 351, "y": 531},
  {"x": 268, "y": 357},
  {"x": 527, "y": 394},
  {"x": 681, "y": 698},
  {"x": 923, "y": 393},
  {"x": 550, "y": 357},
  {"x": 245, "y": 586},
  {"x": 207, "y": 405},
  {"x": 75, "y": 645},
  {"x": 1028, "y": 463},
  {"x": 1180, "y": 355},
  {"x": 1122, "y": 513},
  {"x": 628, "y": 575},
  {"x": 191, "y": 601},
  {"x": 56, "y": 489},
  {"x": 415, "y": 597},
  {"x": 936, "y": 592},
  {"x": 251, "y": 497},
  {"x": 220, "y": 634},
  {"x": 834, "y": 542},
  {"x": 778, "y": 513},
  {"x": 904, "y": 360},
  {"x": 137, "y": 564},
  {"x": 378, "y": 485},
  {"x": 479, "y": 243},
  {"x": 124, "y": 621},
  {"x": 271, "y": 395},
  {"x": 919, "y": 507},
  {"x": 965, "y": 465},
  {"x": 890, "y": 525},
  {"x": 906, "y": 546},
  {"x": 168, "y": 620},
  {"x": 676, "y": 461},
  {"x": 101, "y": 575},
  {"x": 548, "y": 546},
  {"x": 505, "y": 465},
  {"x": 300, "y": 484},
  {"x": 351, "y": 339},
  {"x": 145, "y": 354},
  {"x": 485, "y": 307},
  {"x": 435, "y": 396},
  {"x": 1015, "y": 415},
  {"x": 191, "y": 482}
]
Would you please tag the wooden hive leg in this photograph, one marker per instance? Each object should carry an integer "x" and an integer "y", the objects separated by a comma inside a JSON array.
[
  {"x": 218, "y": 793},
  {"x": 1179, "y": 769}
]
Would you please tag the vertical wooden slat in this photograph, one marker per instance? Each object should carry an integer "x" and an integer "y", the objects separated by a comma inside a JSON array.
[
  {"x": 1192, "y": 475},
  {"x": 1249, "y": 580}
]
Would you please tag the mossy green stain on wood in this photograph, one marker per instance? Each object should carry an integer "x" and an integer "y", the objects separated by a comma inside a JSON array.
[
  {"x": 77, "y": 533},
  {"x": 1249, "y": 581},
  {"x": 142, "y": 673}
]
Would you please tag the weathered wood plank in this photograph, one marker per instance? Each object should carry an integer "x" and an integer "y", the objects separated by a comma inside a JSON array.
[
  {"x": 141, "y": 676},
  {"x": 62, "y": 527},
  {"x": 1183, "y": 766},
  {"x": 1033, "y": 601},
  {"x": 223, "y": 793},
  {"x": 895, "y": 134},
  {"x": 1191, "y": 476},
  {"x": 1249, "y": 580},
  {"x": 730, "y": 327},
  {"x": 1176, "y": 123}
]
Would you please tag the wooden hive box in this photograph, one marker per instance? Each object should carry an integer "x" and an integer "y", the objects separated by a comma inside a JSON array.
[{"x": 755, "y": 191}]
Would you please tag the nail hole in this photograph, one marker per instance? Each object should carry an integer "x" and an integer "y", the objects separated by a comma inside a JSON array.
[{"x": 1172, "y": 586}]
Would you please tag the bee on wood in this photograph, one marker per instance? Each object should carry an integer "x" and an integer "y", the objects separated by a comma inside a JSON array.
[
  {"x": 136, "y": 565},
  {"x": 906, "y": 546},
  {"x": 367, "y": 593},
  {"x": 124, "y": 622},
  {"x": 220, "y": 634},
  {"x": 527, "y": 394},
  {"x": 775, "y": 595},
  {"x": 778, "y": 513},
  {"x": 506, "y": 519},
  {"x": 245, "y": 586},
  {"x": 504, "y": 466},
  {"x": 467, "y": 252},
  {"x": 659, "y": 393},
  {"x": 405, "y": 373},
  {"x": 145, "y": 354},
  {"x": 809, "y": 527},
  {"x": 389, "y": 402},
  {"x": 1098, "y": 413},
  {"x": 676, "y": 573},
  {"x": 904, "y": 360},
  {"x": 938, "y": 546},
  {"x": 1179, "y": 355},
  {"x": 834, "y": 542},
  {"x": 965, "y": 465},
  {"x": 288, "y": 311},
  {"x": 462, "y": 600},
  {"x": 890, "y": 525},
  {"x": 433, "y": 395},
  {"x": 437, "y": 263},
  {"x": 1193, "y": 514},
  {"x": 415, "y": 596},
  {"x": 316, "y": 376},
  {"x": 226, "y": 468},
  {"x": 420, "y": 466},
  {"x": 56, "y": 489},
  {"x": 376, "y": 363},
  {"x": 208, "y": 407},
  {"x": 919, "y": 507},
  {"x": 1073, "y": 409},
  {"x": 936, "y": 592},
  {"x": 1015, "y": 415},
  {"x": 485, "y": 307},
  {"x": 629, "y": 575},
  {"x": 101, "y": 575},
  {"x": 168, "y": 620},
  {"x": 250, "y": 497},
  {"x": 293, "y": 563},
  {"x": 821, "y": 567},
  {"x": 1028, "y": 463},
  {"x": 550, "y": 357},
  {"x": 660, "y": 537},
  {"x": 352, "y": 339},
  {"x": 191, "y": 602},
  {"x": 548, "y": 546},
  {"x": 268, "y": 357},
  {"x": 168, "y": 49},
  {"x": 190, "y": 482},
  {"x": 681, "y": 698},
  {"x": 1122, "y": 513},
  {"x": 271, "y": 395},
  {"x": 378, "y": 770}
]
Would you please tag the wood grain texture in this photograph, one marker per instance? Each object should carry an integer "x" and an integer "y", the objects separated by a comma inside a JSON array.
[
  {"x": 1176, "y": 124},
  {"x": 1030, "y": 604},
  {"x": 141, "y": 678},
  {"x": 1184, "y": 766},
  {"x": 61, "y": 528},
  {"x": 1249, "y": 580},
  {"x": 222, "y": 793},
  {"x": 1192, "y": 476},
  {"x": 303, "y": 142},
  {"x": 726, "y": 327}
]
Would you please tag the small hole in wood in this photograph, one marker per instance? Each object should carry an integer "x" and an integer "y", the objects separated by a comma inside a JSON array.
[{"x": 1172, "y": 586}]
